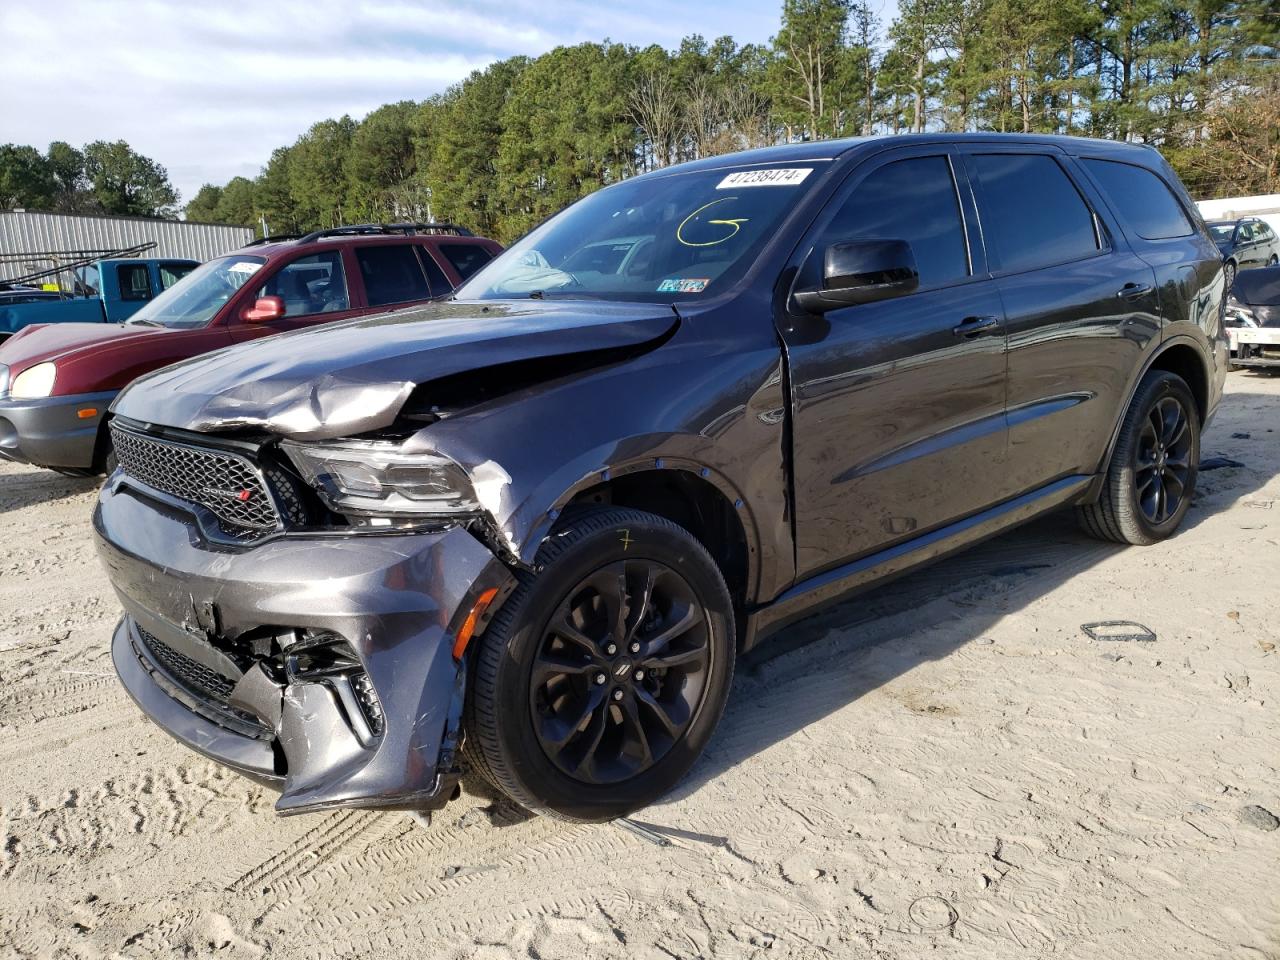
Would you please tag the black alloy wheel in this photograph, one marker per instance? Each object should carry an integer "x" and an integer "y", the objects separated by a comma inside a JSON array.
[
  {"x": 601, "y": 679},
  {"x": 621, "y": 671},
  {"x": 1162, "y": 460},
  {"x": 1151, "y": 477}
]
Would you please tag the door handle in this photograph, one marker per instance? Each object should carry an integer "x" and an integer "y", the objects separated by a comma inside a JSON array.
[
  {"x": 1132, "y": 291},
  {"x": 976, "y": 326}
]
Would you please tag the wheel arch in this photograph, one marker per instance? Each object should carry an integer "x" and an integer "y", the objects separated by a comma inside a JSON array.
[
  {"x": 1182, "y": 356},
  {"x": 694, "y": 498}
]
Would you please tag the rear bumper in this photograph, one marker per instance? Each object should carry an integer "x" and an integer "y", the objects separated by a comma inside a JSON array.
[
  {"x": 394, "y": 599},
  {"x": 1255, "y": 346},
  {"x": 50, "y": 432}
]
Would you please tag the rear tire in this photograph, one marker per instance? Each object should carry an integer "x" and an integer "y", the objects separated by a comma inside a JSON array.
[
  {"x": 603, "y": 676},
  {"x": 1229, "y": 275},
  {"x": 1152, "y": 474}
]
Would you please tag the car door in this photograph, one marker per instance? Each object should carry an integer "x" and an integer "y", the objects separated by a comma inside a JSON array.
[
  {"x": 315, "y": 289},
  {"x": 898, "y": 405},
  {"x": 1265, "y": 238},
  {"x": 1245, "y": 248},
  {"x": 1079, "y": 304}
]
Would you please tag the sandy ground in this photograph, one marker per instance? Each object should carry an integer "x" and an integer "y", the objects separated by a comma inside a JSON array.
[{"x": 944, "y": 767}]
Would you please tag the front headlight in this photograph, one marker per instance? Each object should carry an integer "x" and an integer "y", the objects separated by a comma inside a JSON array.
[
  {"x": 376, "y": 479},
  {"x": 33, "y": 382}
]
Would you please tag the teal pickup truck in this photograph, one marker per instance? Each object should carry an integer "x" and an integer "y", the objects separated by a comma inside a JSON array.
[{"x": 108, "y": 291}]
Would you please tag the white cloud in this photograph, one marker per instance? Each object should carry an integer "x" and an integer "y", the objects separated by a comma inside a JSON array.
[{"x": 209, "y": 89}]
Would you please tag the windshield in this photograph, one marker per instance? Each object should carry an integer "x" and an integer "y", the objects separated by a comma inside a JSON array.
[
  {"x": 196, "y": 298},
  {"x": 653, "y": 240},
  {"x": 1222, "y": 231}
]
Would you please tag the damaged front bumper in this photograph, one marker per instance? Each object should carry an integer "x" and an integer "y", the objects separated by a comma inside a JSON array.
[{"x": 321, "y": 665}]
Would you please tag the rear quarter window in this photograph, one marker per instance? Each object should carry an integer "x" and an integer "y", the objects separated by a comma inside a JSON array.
[
  {"x": 467, "y": 258},
  {"x": 1144, "y": 201}
]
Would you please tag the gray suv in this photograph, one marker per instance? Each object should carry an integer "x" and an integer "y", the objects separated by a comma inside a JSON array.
[{"x": 525, "y": 533}]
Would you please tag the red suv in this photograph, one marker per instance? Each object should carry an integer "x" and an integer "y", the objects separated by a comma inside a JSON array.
[{"x": 57, "y": 381}]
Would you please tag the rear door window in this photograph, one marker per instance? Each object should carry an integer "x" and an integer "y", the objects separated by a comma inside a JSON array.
[
  {"x": 135, "y": 281},
  {"x": 913, "y": 200},
  {"x": 467, "y": 258},
  {"x": 310, "y": 285},
  {"x": 1031, "y": 211},
  {"x": 1142, "y": 199},
  {"x": 392, "y": 274}
]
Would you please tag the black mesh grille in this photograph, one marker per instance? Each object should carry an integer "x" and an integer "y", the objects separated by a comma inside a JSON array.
[
  {"x": 195, "y": 676},
  {"x": 226, "y": 484},
  {"x": 209, "y": 688}
]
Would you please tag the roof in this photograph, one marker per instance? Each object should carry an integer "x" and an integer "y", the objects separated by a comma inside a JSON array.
[{"x": 827, "y": 150}]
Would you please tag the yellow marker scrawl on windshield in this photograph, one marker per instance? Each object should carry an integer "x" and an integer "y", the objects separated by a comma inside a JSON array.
[{"x": 735, "y": 225}]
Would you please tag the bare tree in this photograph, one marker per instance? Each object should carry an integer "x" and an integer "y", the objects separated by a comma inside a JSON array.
[{"x": 654, "y": 105}]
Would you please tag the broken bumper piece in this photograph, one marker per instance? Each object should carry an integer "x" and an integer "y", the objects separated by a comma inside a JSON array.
[{"x": 319, "y": 666}]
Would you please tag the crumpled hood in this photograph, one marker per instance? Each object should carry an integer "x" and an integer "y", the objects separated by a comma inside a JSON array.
[
  {"x": 1260, "y": 287},
  {"x": 352, "y": 377}
]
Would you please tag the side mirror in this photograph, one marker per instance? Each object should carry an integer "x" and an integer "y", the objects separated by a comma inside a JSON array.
[
  {"x": 862, "y": 271},
  {"x": 264, "y": 310}
]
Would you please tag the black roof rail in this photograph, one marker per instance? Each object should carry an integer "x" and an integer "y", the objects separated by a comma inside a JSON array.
[
  {"x": 276, "y": 239},
  {"x": 374, "y": 229}
]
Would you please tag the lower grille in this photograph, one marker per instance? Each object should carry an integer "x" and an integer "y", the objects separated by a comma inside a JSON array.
[
  {"x": 226, "y": 484},
  {"x": 208, "y": 686}
]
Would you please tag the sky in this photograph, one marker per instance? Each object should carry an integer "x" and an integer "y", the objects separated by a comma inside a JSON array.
[{"x": 208, "y": 88}]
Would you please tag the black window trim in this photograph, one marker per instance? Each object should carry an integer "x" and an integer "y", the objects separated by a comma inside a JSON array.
[
  {"x": 1102, "y": 229},
  {"x": 975, "y": 252}
]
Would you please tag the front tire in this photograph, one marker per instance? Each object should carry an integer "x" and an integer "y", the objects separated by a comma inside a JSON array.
[
  {"x": 1152, "y": 474},
  {"x": 603, "y": 676},
  {"x": 1229, "y": 275}
]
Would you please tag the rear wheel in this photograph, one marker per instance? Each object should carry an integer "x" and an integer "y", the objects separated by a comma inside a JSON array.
[
  {"x": 1275, "y": 258},
  {"x": 1229, "y": 274},
  {"x": 602, "y": 678},
  {"x": 1152, "y": 474}
]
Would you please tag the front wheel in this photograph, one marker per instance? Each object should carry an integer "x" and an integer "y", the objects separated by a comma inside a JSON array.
[
  {"x": 1152, "y": 474},
  {"x": 1229, "y": 275},
  {"x": 602, "y": 678},
  {"x": 1275, "y": 258}
]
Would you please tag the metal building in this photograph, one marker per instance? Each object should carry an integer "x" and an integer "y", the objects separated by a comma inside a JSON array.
[{"x": 40, "y": 234}]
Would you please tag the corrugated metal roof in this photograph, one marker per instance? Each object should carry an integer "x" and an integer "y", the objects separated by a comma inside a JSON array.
[{"x": 23, "y": 232}]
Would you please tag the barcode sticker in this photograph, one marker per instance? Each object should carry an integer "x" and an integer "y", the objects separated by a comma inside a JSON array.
[{"x": 777, "y": 177}]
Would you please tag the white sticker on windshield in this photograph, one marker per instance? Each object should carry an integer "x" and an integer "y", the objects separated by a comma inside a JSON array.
[
  {"x": 778, "y": 177},
  {"x": 244, "y": 266}
]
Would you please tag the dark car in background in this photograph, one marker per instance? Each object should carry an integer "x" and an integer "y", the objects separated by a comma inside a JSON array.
[
  {"x": 1245, "y": 243},
  {"x": 1253, "y": 318},
  {"x": 57, "y": 381},
  {"x": 527, "y": 531}
]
